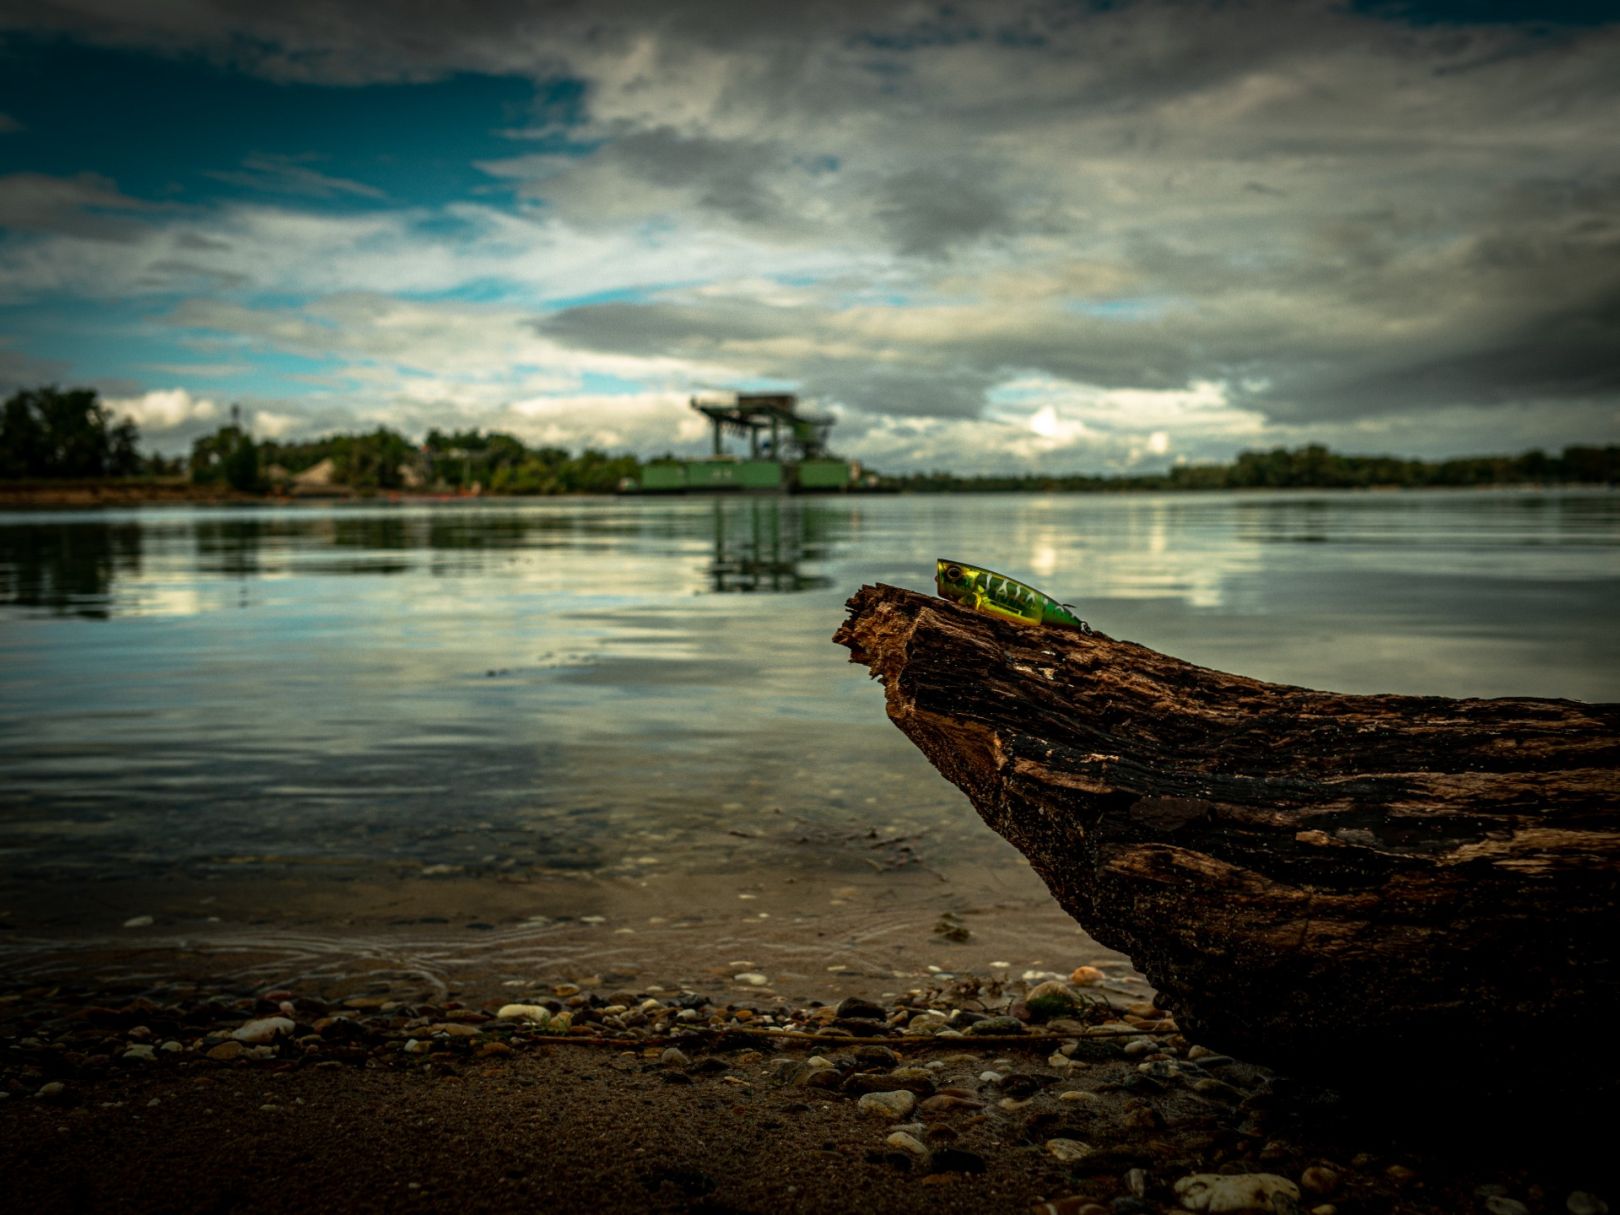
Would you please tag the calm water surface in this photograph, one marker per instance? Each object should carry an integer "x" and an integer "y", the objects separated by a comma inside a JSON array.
[{"x": 634, "y": 691}]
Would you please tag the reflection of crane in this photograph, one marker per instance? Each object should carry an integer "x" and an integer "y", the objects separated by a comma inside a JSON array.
[{"x": 753, "y": 413}]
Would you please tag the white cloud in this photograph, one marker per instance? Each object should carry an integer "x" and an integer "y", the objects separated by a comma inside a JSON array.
[
  {"x": 268, "y": 424},
  {"x": 164, "y": 409}
]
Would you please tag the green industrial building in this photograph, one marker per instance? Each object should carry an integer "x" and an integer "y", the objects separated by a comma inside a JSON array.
[{"x": 787, "y": 450}]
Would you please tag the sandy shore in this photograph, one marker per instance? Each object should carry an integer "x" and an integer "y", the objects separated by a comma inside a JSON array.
[{"x": 948, "y": 1097}]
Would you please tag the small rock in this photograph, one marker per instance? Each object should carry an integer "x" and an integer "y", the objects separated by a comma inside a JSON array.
[
  {"x": 907, "y": 1143},
  {"x": 524, "y": 1012},
  {"x": 1066, "y": 1151},
  {"x": 1141, "y": 1046},
  {"x": 893, "y": 1105},
  {"x": 264, "y": 1029},
  {"x": 997, "y": 1025},
  {"x": 750, "y": 978},
  {"x": 1051, "y": 999},
  {"x": 454, "y": 1029},
  {"x": 674, "y": 1057},
  {"x": 1079, "y": 1094},
  {"x": 1085, "y": 976},
  {"x": 856, "y": 1009},
  {"x": 1318, "y": 1180},
  {"x": 927, "y": 1023},
  {"x": 139, "y": 921},
  {"x": 1500, "y": 1204},
  {"x": 945, "y": 1103},
  {"x": 51, "y": 1091},
  {"x": 226, "y": 1051},
  {"x": 1136, "y": 1182},
  {"x": 140, "y": 1054},
  {"x": 1582, "y": 1203},
  {"x": 417, "y": 1046},
  {"x": 1217, "y": 1193}
]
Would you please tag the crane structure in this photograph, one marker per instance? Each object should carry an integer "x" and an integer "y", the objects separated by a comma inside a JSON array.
[{"x": 787, "y": 450}]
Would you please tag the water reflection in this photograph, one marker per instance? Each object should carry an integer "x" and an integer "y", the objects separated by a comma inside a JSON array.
[
  {"x": 67, "y": 569},
  {"x": 95, "y": 568},
  {"x": 762, "y": 547}
]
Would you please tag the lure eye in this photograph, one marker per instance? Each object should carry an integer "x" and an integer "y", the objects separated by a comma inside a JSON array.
[{"x": 954, "y": 572}]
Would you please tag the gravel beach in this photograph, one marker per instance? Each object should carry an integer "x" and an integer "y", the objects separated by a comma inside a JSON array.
[{"x": 1032, "y": 1093}]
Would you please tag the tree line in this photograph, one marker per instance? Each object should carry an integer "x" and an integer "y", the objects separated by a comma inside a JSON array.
[
  {"x": 46, "y": 432},
  {"x": 385, "y": 460},
  {"x": 1310, "y": 467},
  {"x": 68, "y": 433}
]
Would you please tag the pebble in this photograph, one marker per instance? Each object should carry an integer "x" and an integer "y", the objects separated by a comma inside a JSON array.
[
  {"x": 855, "y": 1008},
  {"x": 453, "y": 1029},
  {"x": 997, "y": 1025},
  {"x": 1318, "y": 1180},
  {"x": 1136, "y": 1182},
  {"x": 927, "y": 1023},
  {"x": 1582, "y": 1203},
  {"x": 139, "y": 921},
  {"x": 1217, "y": 1193},
  {"x": 264, "y": 1029},
  {"x": 1084, "y": 976},
  {"x": 226, "y": 1051},
  {"x": 524, "y": 1012},
  {"x": 416, "y": 1046},
  {"x": 140, "y": 1054},
  {"x": 1500, "y": 1204},
  {"x": 48, "y": 1092},
  {"x": 1141, "y": 1046},
  {"x": 1079, "y": 1094},
  {"x": 907, "y": 1142},
  {"x": 750, "y": 978},
  {"x": 674, "y": 1057},
  {"x": 945, "y": 1103},
  {"x": 892, "y": 1105},
  {"x": 1066, "y": 1151},
  {"x": 1051, "y": 999}
]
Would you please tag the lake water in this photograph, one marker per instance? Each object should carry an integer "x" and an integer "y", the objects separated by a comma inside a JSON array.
[{"x": 495, "y": 719}]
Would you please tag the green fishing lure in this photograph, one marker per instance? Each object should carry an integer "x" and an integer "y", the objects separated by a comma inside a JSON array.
[{"x": 998, "y": 595}]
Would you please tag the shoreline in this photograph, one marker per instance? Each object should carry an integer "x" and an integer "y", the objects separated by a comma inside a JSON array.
[
  {"x": 102, "y": 495},
  {"x": 157, "y": 1096}
]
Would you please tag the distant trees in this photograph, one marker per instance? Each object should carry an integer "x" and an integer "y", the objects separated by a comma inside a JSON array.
[
  {"x": 55, "y": 432},
  {"x": 228, "y": 457},
  {"x": 1310, "y": 467}
]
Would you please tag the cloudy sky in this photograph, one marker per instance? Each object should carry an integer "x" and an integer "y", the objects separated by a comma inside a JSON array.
[{"x": 1091, "y": 236}]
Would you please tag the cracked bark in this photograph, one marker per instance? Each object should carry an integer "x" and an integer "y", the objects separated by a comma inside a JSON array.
[{"x": 1338, "y": 885}]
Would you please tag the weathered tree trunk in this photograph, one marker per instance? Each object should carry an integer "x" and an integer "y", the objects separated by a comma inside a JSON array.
[{"x": 1337, "y": 885}]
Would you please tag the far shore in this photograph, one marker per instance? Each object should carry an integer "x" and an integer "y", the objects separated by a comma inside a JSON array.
[{"x": 116, "y": 492}]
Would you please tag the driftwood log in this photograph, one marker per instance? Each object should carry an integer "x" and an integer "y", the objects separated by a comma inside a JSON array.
[{"x": 1337, "y": 885}]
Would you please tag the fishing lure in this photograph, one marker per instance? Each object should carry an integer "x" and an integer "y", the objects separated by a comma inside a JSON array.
[{"x": 998, "y": 595}]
